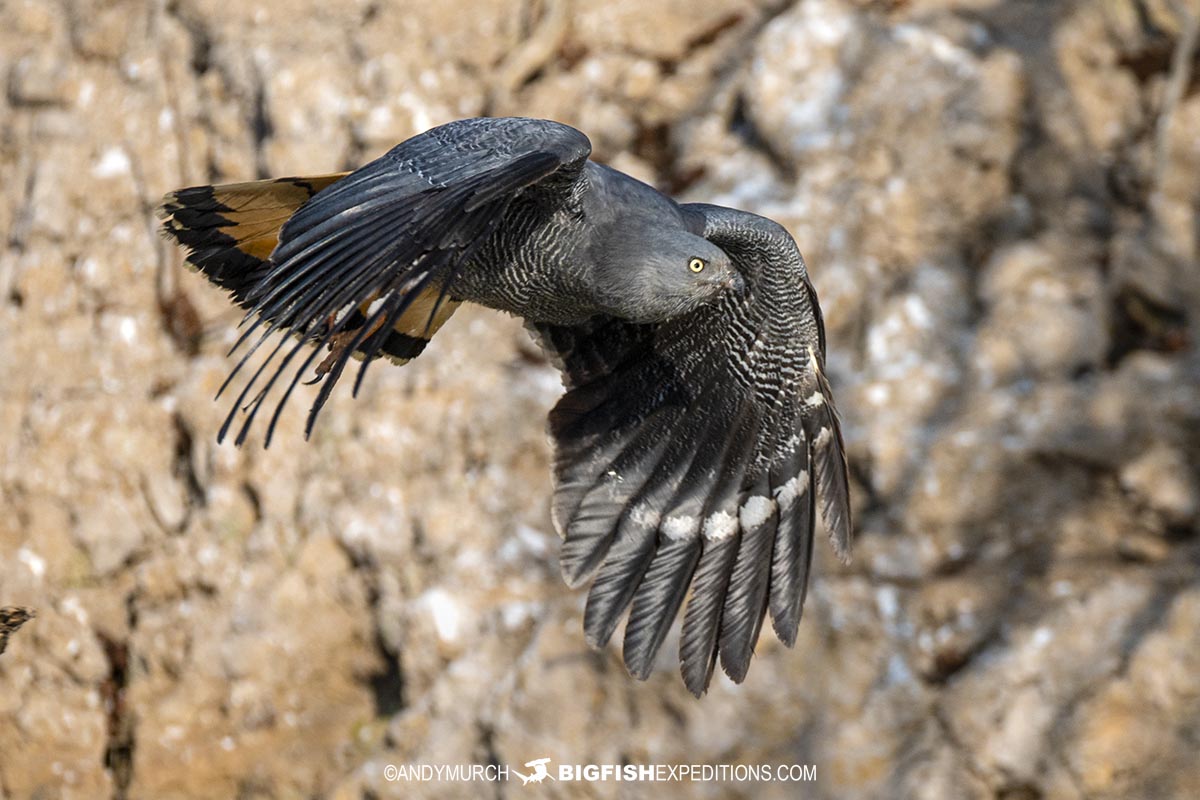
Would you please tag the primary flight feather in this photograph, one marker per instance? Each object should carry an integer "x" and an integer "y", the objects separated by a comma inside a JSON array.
[{"x": 697, "y": 423}]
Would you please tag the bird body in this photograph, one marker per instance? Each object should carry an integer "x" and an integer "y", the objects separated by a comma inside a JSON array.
[{"x": 697, "y": 423}]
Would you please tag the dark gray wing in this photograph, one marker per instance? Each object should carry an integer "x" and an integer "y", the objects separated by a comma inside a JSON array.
[
  {"x": 683, "y": 456},
  {"x": 390, "y": 230}
]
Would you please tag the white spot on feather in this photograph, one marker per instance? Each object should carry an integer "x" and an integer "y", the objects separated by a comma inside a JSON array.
[
  {"x": 756, "y": 511},
  {"x": 720, "y": 525},
  {"x": 375, "y": 305},
  {"x": 823, "y": 437},
  {"x": 786, "y": 495},
  {"x": 645, "y": 516},
  {"x": 815, "y": 400},
  {"x": 679, "y": 527}
]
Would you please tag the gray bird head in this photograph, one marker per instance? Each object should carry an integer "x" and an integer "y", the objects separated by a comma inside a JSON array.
[{"x": 645, "y": 272}]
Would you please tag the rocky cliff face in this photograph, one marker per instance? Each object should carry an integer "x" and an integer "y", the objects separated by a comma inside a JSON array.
[{"x": 998, "y": 202}]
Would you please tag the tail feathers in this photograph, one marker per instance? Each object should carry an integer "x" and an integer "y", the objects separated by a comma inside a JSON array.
[
  {"x": 229, "y": 232},
  {"x": 411, "y": 333}
]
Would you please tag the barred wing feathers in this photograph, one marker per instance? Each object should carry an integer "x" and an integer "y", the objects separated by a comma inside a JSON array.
[
  {"x": 384, "y": 242},
  {"x": 684, "y": 460}
]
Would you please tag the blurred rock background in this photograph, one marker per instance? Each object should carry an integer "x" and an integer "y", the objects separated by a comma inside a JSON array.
[{"x": 998, "y": 201}]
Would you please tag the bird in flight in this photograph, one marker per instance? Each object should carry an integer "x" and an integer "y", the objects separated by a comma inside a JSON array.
[{"x": 698, "y": 423}]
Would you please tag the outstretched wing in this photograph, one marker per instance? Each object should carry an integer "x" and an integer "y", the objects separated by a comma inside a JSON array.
[
  {"x": 686, "y": 456},
  {"x": 357, "y": 255}
]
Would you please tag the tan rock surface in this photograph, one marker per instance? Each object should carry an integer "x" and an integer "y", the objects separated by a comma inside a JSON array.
[{"x": 998, "y": 203}]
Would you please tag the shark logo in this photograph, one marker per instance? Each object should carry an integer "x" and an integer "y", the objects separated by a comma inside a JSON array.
[{"x": 539, "y": 773}]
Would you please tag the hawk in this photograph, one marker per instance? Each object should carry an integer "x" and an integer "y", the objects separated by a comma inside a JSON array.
[{"x": 697, "y": 422}]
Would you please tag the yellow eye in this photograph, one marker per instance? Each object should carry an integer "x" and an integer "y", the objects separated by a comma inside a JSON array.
[{"x": 696, "y": 265}]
